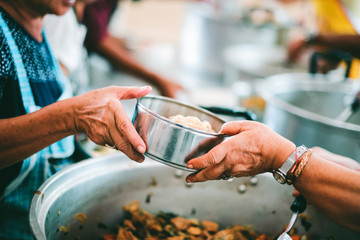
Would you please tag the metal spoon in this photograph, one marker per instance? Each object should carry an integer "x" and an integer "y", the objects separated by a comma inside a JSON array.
[{"x": 298, "y": 206}]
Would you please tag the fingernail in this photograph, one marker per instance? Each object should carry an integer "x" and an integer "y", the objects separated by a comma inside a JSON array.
[
  {"x": 190, "y": 166},
  {"x": 140, "y": 149},
  {"x": 145, "y": 87},
  {"x": 188, "y": 180}
]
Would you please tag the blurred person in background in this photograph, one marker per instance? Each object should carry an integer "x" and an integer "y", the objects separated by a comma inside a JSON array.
[
  {"x": 90, "y": 19},
  {"x": 39, "y": 116},
  {"x": 331, "y": 183},
  {"x": 96, "y": 18},
  {"x": 337, "y": 37},
  {"x": 66, "y": 35}
]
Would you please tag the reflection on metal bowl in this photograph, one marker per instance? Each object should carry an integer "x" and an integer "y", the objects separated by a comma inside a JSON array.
[
  {"x": 170, "y": 142},
  {"x": 100, "y": 187}
]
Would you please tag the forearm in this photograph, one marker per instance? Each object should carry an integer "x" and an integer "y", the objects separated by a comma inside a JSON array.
[
  {"x": 347, "y": 43},
  {"x": 332, "y": 189},
  {"x": 338, "y": 159},
  {"x": 119, "y": 56},
  {"x": 25, "y": 135}
]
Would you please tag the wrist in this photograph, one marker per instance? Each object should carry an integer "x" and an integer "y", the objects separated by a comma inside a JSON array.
[
  {"x": 67, "y": 111},
  {"x": 291, "y": 169},
  {"x": 302, "y": 157},
  {"x": 283, "y": 151}
]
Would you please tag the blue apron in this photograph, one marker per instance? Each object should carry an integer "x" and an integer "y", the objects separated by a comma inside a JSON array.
[{"x": 15, "y": 202}]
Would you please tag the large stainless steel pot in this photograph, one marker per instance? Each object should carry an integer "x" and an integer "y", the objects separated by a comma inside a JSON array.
[
  {"x": 205, "y": 34},
  {"x": 100, "y": 187},
  {"x": 304, "y": 110}
]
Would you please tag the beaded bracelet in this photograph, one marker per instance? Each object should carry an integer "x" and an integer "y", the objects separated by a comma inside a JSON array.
[{"x": 298, "y": 167}]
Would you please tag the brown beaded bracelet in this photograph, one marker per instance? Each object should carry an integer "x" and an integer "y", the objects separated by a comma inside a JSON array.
[
  {"x": 290, "y": 173},
  {"x": 298, "y": 167}
]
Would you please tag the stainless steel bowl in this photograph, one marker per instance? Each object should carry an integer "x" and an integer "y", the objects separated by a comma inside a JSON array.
[{"x": 169, "y": 142}]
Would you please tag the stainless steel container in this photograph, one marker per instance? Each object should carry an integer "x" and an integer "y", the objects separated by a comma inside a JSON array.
[
  {"x": 100, "y": 187},
  {"x": 304, "y": 110},
  {"x": 169, "y": 142},
  {"x": 205, "y": 34}
]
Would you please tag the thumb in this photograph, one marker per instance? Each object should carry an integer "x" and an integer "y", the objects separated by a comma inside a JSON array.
[
  {"x": 132, "y": 92},
  {"x": 232, "y": 128},
  {"x": 213, "y": 157}
]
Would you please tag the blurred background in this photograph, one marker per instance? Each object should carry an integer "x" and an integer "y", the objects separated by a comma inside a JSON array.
[
  {"x": 217, "y": 50},
  {"x": 231, "y": 54}
]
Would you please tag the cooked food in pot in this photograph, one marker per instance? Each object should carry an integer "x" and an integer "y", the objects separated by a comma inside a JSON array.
[
  {"x": 140, "y": 224},
  {"x": 193, "y": 122}
]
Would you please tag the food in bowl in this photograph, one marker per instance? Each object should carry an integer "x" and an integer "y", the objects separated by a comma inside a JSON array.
[
  {"x": 193, "y": 122},
  {"x": 140, "y": 224}
]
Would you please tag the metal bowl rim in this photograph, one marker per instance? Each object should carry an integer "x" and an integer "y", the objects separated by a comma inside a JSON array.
[
  {"x": 169, "y": 163},
  {"x": 158, "y": 116},
  {"x": 272, "y": 98}
]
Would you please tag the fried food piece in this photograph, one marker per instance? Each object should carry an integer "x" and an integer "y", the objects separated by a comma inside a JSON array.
[
  {"x": 154, "y": 225},
  {"x": 192, "y": 122},
  {"x": 176, "y": 238},
  {"x": 129, "y": 224},
  {"x": 210, "y": 226},
  {"x": 124, "y": 234},
  {"x": 226, "y": 234},
  {"x": 109, "y": 237},
  {"x": 194, "y": 231},
  {"x": 181, "y": 223}
]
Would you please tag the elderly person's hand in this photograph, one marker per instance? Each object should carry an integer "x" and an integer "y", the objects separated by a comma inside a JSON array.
[
  {"x": 100, "y": 114},
  {"x": 253, "y": 148}
]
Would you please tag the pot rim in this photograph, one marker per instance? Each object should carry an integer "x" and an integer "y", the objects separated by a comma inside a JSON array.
[
  {"x": 276, "y": 84},
  {"x": 168, "y": 121},
  {"x": 41, "y": 203}
]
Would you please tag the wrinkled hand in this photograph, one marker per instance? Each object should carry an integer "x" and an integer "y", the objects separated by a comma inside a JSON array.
[
  {"x": 100, "y": 114},
  {"x": 253, "y": 148}
]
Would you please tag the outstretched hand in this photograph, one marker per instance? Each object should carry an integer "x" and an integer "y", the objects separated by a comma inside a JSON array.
[{"x": 253, "y": 148}]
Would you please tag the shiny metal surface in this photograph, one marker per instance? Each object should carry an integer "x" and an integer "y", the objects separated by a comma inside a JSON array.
[
  {"x": 292, "y": 222},
  {"x": 170, "y": 142},
  {"x": 285, "y": 235},
  {"x": 304, "y": 110},
  {"x": 100, "y": 187},
  {"x": 205, "y": 34}
]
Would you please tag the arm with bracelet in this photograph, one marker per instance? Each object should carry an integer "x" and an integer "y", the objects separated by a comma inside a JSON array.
[{"x": 253, "y": 148}]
